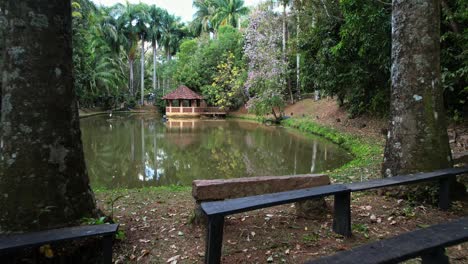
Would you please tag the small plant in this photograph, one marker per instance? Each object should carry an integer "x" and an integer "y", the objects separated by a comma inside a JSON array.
[
  {"x": 111, "y": 203},
  {"x": 94, "y": 221},
  {"x": 362, "y": 228},
  {"x": 408, "y": 211},
  {"x": 120, "y": 235},
  {"x": 310, "y": 237}
]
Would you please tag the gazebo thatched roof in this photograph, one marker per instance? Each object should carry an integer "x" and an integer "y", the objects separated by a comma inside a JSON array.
[{"x": 182, "y": 93}]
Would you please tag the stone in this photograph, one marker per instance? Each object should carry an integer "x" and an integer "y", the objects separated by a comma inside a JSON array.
[{"x": 203, "y": 190}]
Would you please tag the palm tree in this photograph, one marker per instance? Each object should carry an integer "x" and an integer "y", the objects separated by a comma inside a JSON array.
[
  {"x": 154, "y": 34},
  {"x": 211, "y": 14},
  {"x": 228, "y": 12},
  {"x": 172, "y": 33},
  {"x": 125, "y": 23},
  {"x": 202, "y": 21},
  {"x": 140, "y": 26}
]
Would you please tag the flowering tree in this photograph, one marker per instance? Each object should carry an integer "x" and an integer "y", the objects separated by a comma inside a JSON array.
[
  {"x": 265, "y": 84},
  {"x": 227, "y": 83}
]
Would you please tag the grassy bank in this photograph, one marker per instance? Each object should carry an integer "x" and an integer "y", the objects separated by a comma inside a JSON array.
[{"x": 367, "y": 152}]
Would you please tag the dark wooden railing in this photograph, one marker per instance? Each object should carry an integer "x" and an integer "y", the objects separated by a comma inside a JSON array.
[{"x": 217, "y": 210}]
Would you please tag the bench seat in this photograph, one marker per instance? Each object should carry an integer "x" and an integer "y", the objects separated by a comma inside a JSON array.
[
  {"x": 238, "y": 205},
  {"x": 14, "y": 242},
  {"x": 427, "y": 242}
]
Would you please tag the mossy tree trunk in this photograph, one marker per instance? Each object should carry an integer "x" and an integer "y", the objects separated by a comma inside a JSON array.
[
  {"x": 43, "y": 179},
  {"x": 417, "y": 138}
]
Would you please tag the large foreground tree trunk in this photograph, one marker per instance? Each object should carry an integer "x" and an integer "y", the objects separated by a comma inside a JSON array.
[
  {"x": 417, "y": 138},
  {"x": 43, "y": 179}
]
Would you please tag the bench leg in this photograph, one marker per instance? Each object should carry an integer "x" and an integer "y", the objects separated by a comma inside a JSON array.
[
  {"x": 107, "y": 242},
  {"x": 444, "y": 193},
  {"x": 436, "y": 256},
  {"x": 214, "y": 239},
  {"x": 342, "y": 214}
]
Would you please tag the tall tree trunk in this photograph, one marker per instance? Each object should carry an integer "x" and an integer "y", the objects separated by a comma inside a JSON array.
[
  {"x": 142, "y": 90},
  {"x": 130, "y": 66},
  {"x": 417, "y": 138},
  {"x": 168, "y": 55},
  {"x": 43, "y": 178},
  {"x": 154, "y": 66},
  {"x": 288, "y": 81},
  {"x": 298, "y": 56}
]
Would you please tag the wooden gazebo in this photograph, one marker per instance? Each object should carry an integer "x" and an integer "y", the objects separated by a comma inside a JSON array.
[{"x": 185, "y": 102}]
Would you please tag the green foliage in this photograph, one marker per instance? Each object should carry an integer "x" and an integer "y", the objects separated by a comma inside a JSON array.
[
  {"x": 313, "y": 237},
  {"x": 226, "y": 90},
  {"x": 361, "y": 228},
  {"x": 350, "y": 57},
  {"x": 347, "y": 53},
  {"x": 120, "y": 235},
  {"x": 98, "y": 71},
  {"x": 94, "y": 221},
  {"x": 454, "y": 57},
  {"x": 213, "y": 14},
  {"x": 198, "y": 59}
]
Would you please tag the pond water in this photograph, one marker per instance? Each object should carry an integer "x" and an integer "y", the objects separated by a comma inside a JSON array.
[{"x": 137, "y": 150}]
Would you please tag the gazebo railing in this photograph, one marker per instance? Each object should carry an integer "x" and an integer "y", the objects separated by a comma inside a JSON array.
[{"x": 177, "y": 109}]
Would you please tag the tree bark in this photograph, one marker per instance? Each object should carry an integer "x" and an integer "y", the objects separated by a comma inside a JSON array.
[
  {"x": 130, "y": 65},
  {"x": 142, "y": 91},
  {"x": 298, "y": 56},
  {"x": 43, "y": 178},
  {"x": 154, "y": 66},
  {"x": 417, "y": 138},
  {"x": 285, "y": 60}
]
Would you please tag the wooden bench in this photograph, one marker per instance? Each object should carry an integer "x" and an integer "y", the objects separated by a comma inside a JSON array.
[
  {"x": 16, "y": 242},
  {"x": 429, "y": 243},
  {"x": 215, "y": 211}
]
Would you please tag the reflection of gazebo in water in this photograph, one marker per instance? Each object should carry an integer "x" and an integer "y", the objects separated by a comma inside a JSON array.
[{"x": 185, "y": 102}]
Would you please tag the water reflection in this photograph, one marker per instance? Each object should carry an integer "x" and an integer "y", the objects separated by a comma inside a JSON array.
[{"x": 140, "y": 150}]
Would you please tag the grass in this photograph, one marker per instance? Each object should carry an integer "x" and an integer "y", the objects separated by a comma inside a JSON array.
[
  {"x": 158, "y": 189},
  {"x": 367, "y": 152}
]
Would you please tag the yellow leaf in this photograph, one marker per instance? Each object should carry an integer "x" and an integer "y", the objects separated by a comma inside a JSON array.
[{"x": 47, "y": 251}]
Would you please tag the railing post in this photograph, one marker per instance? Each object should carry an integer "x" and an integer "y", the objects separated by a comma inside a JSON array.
[
  {"x": 444, "y": 193},
  {"x": 342, "y": 214},
  {"x": 436, "y": 256},
  {"x": 107, "y": 242},
  {"x": 214, "y": 239}
]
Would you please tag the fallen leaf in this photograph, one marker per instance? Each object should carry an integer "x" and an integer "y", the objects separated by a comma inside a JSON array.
[
  {"x": 173, "y": 260},
  {"x": 144, "y": 252}
]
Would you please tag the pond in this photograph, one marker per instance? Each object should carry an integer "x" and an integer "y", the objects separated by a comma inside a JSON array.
[{"x": 138, "y": 150}]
